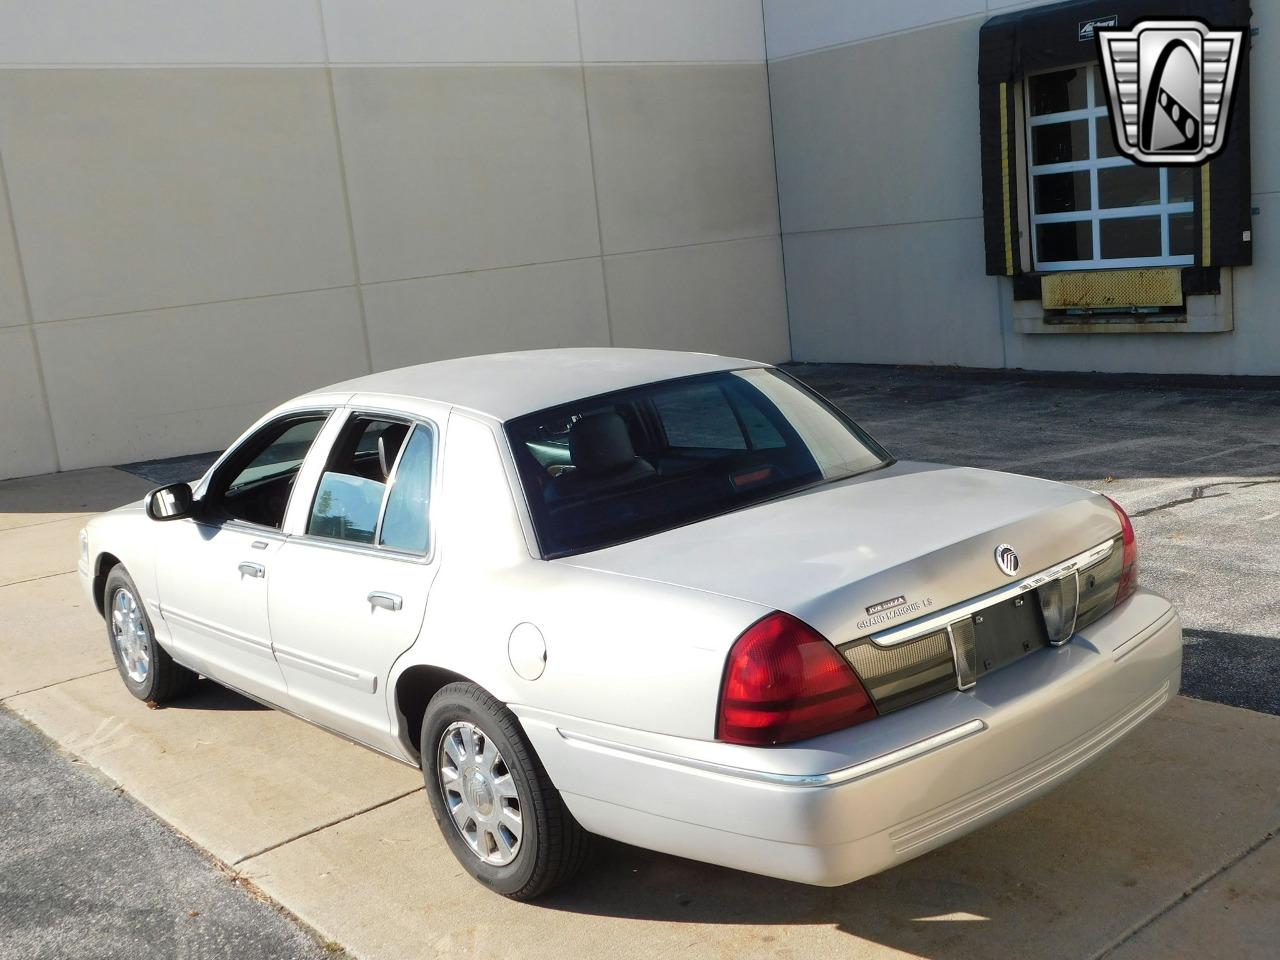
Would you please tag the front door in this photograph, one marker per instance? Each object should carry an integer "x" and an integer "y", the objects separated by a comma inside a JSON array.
[
  {"x": 348, "y": 593},
  {"x": 213, "y": 571}
]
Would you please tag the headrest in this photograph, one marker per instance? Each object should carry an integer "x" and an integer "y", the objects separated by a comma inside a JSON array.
[
  {"x": 600, "y": 444},
  {"x": 384, "y": 461}
]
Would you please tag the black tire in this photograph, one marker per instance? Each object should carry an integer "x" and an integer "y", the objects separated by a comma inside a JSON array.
[
  {"x": 552, "y": 846},
  {"x": 163, "y": 679}
]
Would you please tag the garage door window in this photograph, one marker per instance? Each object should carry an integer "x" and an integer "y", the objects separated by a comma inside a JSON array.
[{"x": 1090, "y": 205}]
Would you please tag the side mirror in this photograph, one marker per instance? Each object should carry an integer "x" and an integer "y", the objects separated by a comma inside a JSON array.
[{"x": 170, "y": 503}]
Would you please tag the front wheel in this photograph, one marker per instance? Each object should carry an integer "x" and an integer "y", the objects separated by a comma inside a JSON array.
[
  {"x": 148, "y": 671},
  {"x": 493, "y": 801}
]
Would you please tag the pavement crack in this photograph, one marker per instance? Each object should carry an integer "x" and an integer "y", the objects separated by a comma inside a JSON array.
[
  {"x": 46, "y": 576},
  {"x": 1201, "y": 492},
  {"x": 1186, "y": 894},
  {"x": 325, "y": 826},
  {"x": 56, "y": 683}
]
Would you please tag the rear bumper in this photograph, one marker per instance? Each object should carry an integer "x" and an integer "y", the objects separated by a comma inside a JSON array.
[{"x": 852, "y": 803}]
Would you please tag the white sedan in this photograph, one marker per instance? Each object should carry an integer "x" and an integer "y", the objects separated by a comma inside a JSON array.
[{"x": 675, "y": 599}]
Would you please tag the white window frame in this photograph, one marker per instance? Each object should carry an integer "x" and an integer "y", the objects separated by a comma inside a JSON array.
[{"x": 1096, "y": 106}]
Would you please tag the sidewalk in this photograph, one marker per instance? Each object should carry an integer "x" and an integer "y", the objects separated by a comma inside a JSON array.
[{"x": 1164, "y": 848}]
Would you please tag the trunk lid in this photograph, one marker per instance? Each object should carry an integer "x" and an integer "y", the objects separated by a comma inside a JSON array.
[{"x": 834, "y": 554}]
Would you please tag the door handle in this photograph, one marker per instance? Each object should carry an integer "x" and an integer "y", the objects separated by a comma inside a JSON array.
[
  {"x": 387, "y": 601},
  {"x": 253, "y": 569}
]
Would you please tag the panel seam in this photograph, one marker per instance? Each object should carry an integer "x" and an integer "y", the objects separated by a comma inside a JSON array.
[
  {"x": 346, "y": 192},
  {"x": 777, "y": 182},
  {"x": 595, "y": 185},
  {"x": 31, "y": 321}
]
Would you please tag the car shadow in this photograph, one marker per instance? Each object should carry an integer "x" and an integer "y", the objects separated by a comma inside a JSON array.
[
  {"x": 210, "y": 696},
  {"x": 1071, "y": 874},
  {"x": 937, "y": 906}
]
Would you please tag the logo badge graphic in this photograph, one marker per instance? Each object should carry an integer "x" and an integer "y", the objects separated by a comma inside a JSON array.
[
  {"x": 1169, "y": 87},
  {"x": 886, "y": 605},
  {"x": 1007, "y": 559},
  {"x": 1087, "y": 27}
]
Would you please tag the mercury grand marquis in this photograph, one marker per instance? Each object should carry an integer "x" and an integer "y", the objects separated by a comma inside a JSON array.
[{"x": 675, "y": 599}]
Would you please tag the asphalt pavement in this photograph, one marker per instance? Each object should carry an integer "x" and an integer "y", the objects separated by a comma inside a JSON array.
[{"x": 88, "y": 873}]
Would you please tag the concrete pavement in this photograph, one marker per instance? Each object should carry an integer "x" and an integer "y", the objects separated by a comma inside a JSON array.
[{"x": 1165, "y": 848}]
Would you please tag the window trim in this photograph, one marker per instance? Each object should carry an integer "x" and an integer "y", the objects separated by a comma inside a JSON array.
[
  {"x": 413, "y": 421},
  {"x": 1095, "y": 109},
  {"x": 210, "y": 515}
]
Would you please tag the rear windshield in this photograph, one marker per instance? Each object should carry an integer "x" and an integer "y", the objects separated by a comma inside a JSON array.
[{"x": 633, "y": 463}]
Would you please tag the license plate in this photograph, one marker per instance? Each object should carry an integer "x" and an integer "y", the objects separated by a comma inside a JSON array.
[{"x": 1008, "y": 631}]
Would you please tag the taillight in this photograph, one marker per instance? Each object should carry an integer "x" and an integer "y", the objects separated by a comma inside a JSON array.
[
  {"x": 785, "y": 682},
  {"x": 1129, "y": 565}
]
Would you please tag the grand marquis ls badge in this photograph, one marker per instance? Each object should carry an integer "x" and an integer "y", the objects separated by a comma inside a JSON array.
[
  {"x": 1007, "y": 559},
  {"x": 1169, "y": 88}
]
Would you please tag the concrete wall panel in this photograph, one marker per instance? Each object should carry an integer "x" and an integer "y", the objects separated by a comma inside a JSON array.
[
  {"x": 489, "y": 311},
  {"x": 137, "y": 189},
  {"x": 25, "y": 444},
  {"x": 905, "y": 294},
  {"x": 218, "y": 206},
  {"x": 190, "y": 379},
  {"x": 13, "y": 307},
  {"x": 671, "y": 30},
  {"x": 860, "y": 141},
  {"x": 801, "y": 26},
  {"x": 450, "y": 31},
  {"x": 465, "y": 168},
  {"x": 683, "y": 154},
  {"x": 719, "y": 298},
  {"x": 160, "y": 31}
]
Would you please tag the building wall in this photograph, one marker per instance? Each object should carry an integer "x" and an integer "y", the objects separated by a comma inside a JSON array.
[
  {"x": 208, "y": 208},
  {"x": 875, "y": 111}
]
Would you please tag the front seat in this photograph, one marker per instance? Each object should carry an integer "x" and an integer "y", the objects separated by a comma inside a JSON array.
[{"x": 602, "y": 456}]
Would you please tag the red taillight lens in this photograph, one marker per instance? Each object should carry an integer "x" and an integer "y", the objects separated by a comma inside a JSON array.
[
  {"x": 1129, "y": 568},
  {"x": 785, "y": 682}
]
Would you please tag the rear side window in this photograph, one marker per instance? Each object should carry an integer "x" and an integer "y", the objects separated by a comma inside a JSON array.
[
  {"x": 379, "y": 470},
  {"x": 634, "y": 463}
]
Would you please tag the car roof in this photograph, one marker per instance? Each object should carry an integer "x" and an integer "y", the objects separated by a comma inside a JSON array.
[{"x": 508, "y": 385}]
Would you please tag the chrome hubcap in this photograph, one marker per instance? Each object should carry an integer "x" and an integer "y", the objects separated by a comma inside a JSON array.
[
  {"x": 480, "y": 793},
  {"x": 129, "y": 635}
]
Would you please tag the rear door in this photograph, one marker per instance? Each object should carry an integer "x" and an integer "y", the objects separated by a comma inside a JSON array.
[{"x": 349, "y": 588}]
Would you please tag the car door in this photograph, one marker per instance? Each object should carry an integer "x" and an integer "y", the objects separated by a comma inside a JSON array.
[
  {"x": 349, "y": 586},
  {"x": 213, "y": 570}
]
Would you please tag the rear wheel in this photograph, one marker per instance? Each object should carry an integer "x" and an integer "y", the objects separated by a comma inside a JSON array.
[
  {"x": 493, "y": 801},
  {"x": 148, "y": 671}
]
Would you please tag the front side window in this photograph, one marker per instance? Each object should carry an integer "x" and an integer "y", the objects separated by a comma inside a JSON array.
[
  {"x": 1090, "y": 205},
  {"x": 256, "y": 481},
  {"x": 636, "y": 462},
  {"x": 376, "y": 486}
]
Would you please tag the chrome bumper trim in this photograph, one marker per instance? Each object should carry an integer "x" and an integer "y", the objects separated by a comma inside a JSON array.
[
  {"x": 844, "y": 775},
  {"x": 942, "y": 619}
]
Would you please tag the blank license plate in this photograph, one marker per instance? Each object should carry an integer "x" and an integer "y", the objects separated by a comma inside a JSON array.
[{"x": 1008, "y": 631}]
